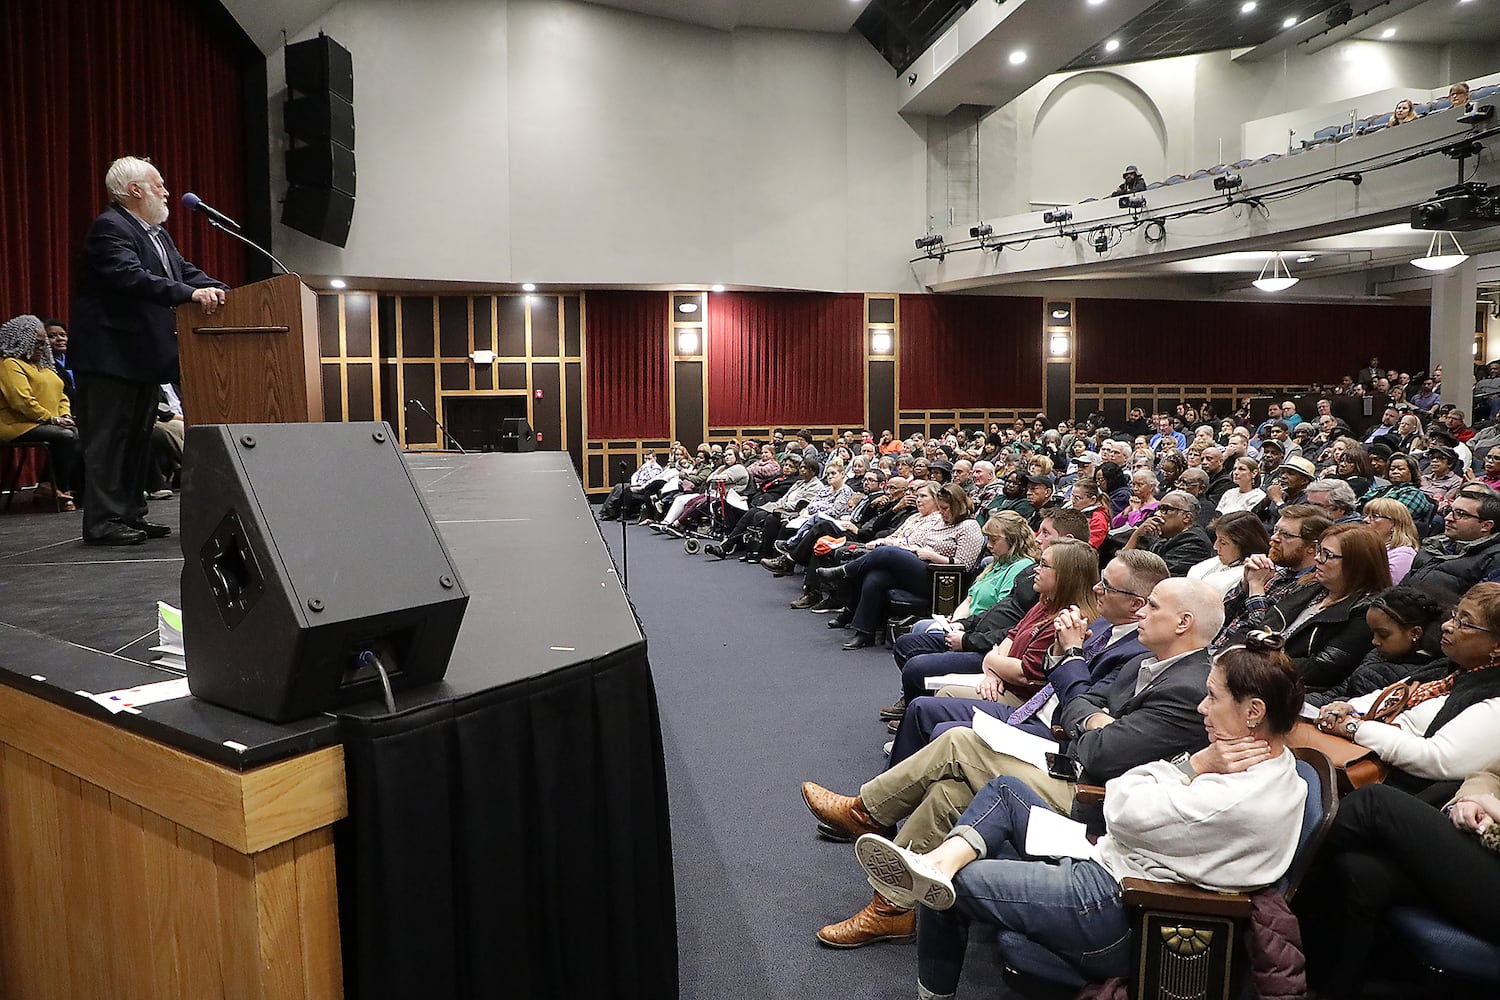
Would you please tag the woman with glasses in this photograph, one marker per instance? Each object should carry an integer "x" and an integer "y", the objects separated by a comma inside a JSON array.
[
  {"x": 1405, "y": 478},
  {"x": 1324, "y": 624},
  {"x": 1236, "y": 536},
  {"x": 1405, "y": 628},
  {"x": 1353, "y": 467},
  {"x": 1142, "y": 500},
  {"x": 1389, "y": 846},
  {"x": 1392, "y": 522}
]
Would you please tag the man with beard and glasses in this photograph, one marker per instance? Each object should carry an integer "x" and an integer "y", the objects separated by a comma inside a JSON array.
[{"x": 124, "y": 345}]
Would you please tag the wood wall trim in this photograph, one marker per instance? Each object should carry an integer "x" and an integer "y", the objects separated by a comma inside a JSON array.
[{"x": 247, "y": 811}]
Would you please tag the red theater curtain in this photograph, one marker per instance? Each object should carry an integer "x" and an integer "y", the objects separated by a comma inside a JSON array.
[
  {"x": 970, "y": 351},
  {"x": 1146, "y": 341},
  {"x": 84, "y": 81},
  {"x": 785, "y": 358},
  {"x": 626, "y": 354}
]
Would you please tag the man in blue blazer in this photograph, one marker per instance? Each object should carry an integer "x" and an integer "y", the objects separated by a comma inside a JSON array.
[
  {"x": 130, "y": 281},
  {"x": 1082, "y": 659}
]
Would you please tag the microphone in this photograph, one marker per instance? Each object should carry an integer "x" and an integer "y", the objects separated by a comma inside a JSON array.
[{"x": 193, "y": 203}]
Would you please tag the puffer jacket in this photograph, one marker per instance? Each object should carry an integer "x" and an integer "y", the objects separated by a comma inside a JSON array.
[{"x": 1434, "y": 569}]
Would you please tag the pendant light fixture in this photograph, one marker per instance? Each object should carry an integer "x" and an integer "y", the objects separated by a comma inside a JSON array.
[
  {"x": 1280, "y": 278},
  {"x": 1437, "y": 259}
]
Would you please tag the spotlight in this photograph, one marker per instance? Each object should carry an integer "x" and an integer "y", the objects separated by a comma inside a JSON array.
[
  {"x": 1101, "y": 241},
  {"x": 1134, "y": 202},
  {"x": 1058, "y": 216},
  {"x": 982, "y": 230},
  {"x": 1227, "y": 182},
  {"x": 929, "y": 241}
]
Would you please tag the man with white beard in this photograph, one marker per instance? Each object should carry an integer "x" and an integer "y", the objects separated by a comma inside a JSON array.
[{"x": 124, "y": 345}]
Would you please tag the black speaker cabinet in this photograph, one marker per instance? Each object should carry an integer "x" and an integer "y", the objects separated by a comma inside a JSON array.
[
  {"x": 321, "y": 213},
  {"x": 321, "y": 163},
  {"x": 516, "y": 435},
  {"x": 305, "y": 546},
  {"x": 320, "y": 64},
  {"x": 319, "y": 116}
]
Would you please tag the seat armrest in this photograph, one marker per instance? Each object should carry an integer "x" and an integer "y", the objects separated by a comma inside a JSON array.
[
  {"x": 1177, "y": 898},
  {"x": 1089, "y": 795}
]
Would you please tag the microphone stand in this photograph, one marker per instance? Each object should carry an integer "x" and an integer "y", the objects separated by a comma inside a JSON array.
[
  {"x": 249, "y": 242},
  {"x": 624, "y": 538},
  {"x": 451, "y": 439}
]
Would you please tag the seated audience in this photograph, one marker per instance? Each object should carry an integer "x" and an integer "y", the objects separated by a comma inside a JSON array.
[
  {"x": 1404, "y": 475},
  {"x": 1458, "y": 95},
  {"x": 1246, "y": 494},
  {"x": 625, "y": 499},
  {"x": 1403, "y": 112},
  {"x": 1404, "y": 634},
  {"x": 1142, "y": 500},
  {"x": 1131, "y": 182},
  {"x": 1110, "y": 732},
  {"x": 1226, "y": 818},
  {"x": 941, "y": 531},
  {"x": 1085, "y": 499},
  {"x": 34, "y": 409},
  {"x": 1334, "y": 498},
  {"x": 1467, "y": 551},
  {"x": 1171, "y": 532},
  {"x": 1237, "y": 536},
  {"x": 1392, "y": 522}
]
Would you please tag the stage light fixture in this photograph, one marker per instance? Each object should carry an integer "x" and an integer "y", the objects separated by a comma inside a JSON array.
[
  {"x": 982, "y": 230},
  {"x": 1058, "y": 216},
  {"x": 1227, "y": 182},
  {"x": 1436, "y": 258},
  {"x": 929, "y": 241},
  {"x": 1134, "y": 202},
  {"x": 1101, "y": 241},
  {"x": 1280, "y": 278}
]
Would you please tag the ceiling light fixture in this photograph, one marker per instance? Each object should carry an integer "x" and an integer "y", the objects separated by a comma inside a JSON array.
[
  {"x": 1388, "y": 33},
  {"x": 1436, "y": 259},
  {"x": 1095, "y": 3},
  {"x": 716, "y": 289},
  {"x": 338, "y": 283},
  {"x": 1281, "y": 276},
  {"x": 687, "y": 307},
  {"x": 1017, "y": 57},
  {"x": 1248, "y": 7},
  {"x": 528, "y": 287},
  {"x": 1290, "y": 22},
  {"x": 1113, "y": 45},
  {"x": 1307, "y": 258}
]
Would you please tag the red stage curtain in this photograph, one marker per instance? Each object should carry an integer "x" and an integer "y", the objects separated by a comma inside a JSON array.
[
  {"x": 970, "y": 351},
  {"x": 626, "y": 355},
  {"x": 1145, "y": 341},
  {"x": 785, "y": 358},
  {"x": 84, "y": 81}
]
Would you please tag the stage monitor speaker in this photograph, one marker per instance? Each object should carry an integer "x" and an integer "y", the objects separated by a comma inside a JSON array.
[
  {"x": 320, "y": 64},
  {"x": 319, "y": 116},
  {"x": 516, "y": 435},
  {"x": 322, "y": 163},
  {"x": 305, "y": 546},
  {"x": 321, "y": 213}
]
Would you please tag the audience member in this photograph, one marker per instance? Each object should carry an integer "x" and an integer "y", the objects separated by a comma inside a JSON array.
[
  {"x": 1172, "y": 533},
  {"x": 1466, "y": 552},
  {"x": 1404, "y": 635},
  {"x": 1283, "y": 571},
  {"x": 34, "y": 409},
  {"x": 1458, "y": 95},
  {"x": 57, "y": 339},
  {"x": 1237, "y": 536},
  {"x": 1392, "y": 522},
  {"x": 1131, "y": 182},
  {"x": 1246, "y": 494},
  {"x": 1403, "y": 112},
  {"x": 1334, "y": 498},
  {"x": 626, "y": 498}
]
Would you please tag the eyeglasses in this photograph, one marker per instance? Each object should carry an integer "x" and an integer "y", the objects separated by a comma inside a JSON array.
[
  {"x": 1466, "y": 624},
  {"x": 1043, "y": 564},
  {"x": 1104, "y": 586},
  {"x": 1323, "y": 555},
  {"x": 1287, "y": 535},
  {"x": 1376, "y": 517},
  {"x": 1459, "y": 514},
  {"x": 1167, "y": 506}
]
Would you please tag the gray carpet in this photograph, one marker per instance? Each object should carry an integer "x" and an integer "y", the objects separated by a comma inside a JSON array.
[{"x": 755, "y": 698}]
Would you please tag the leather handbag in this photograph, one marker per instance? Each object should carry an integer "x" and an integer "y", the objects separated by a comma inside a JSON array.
[{"x": 1355, "y": 765}]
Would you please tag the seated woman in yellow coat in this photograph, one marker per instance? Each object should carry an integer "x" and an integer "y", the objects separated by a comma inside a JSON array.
[{"x": 33, "y": 406}]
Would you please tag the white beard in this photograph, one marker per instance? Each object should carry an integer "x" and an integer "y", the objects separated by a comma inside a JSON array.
[{"x": 154, "y": 210}]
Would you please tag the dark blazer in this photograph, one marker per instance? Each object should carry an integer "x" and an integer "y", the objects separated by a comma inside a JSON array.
[
  {"x": 1183, "y": 550},
  {"x": 1330, "y": 644},
  {"x": 1094, "y": 670},
  {"x": 1160, "y": 722},
  {"x": 123, "y": 319}
]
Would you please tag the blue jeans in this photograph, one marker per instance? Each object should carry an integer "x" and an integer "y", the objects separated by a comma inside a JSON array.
[
  {"x": 924, "y": 716},
  {"x": 918, "y": 641},
  {"x": 1071, "y": 908},
  {"x": 914, "y": 675},
  {"x": 883, "y": 568}
]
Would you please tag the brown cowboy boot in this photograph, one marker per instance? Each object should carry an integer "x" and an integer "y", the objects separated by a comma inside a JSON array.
[
  {"x": 841, "y": 818},
  {"x": 880, "y": 920}
]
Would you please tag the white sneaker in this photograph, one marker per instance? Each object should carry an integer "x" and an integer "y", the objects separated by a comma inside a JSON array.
[{"x": 897, "y": 872}]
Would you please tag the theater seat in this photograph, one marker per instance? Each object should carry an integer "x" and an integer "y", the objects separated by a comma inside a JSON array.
[
  {"x": 1242, "y": 164},
  {"x": 1485, "y": 92},
  {"x": 1269, "y": 157},
  {"x": 1175, "y": 179},
  {"x": 1198, "y": 175}
]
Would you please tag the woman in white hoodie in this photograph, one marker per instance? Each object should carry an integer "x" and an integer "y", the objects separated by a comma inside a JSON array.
[{"x": 1225, "y": 818}]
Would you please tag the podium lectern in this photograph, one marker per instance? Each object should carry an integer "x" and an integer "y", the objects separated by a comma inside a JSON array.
[{"x": 254, "y": 361}]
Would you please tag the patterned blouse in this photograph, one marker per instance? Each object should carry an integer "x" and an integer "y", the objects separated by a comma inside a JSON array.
[{"x": 959, "y": 543}]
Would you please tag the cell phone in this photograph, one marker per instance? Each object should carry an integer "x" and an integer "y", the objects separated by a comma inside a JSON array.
[{"x": 1060, "y": 766}]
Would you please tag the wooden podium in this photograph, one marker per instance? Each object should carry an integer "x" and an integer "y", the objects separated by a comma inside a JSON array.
[{"x": 256, "y": 360}]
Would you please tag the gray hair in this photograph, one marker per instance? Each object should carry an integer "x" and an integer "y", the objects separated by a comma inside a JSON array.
[
  {"x": 1183, "y": 500},
  {"x": 1199, "y": 599},
  {"x": 1340, "y": 493},
  {"x": 125, "y": 171},
  {"x": 18, "y": 339},
  {"x": 1196, "y": 477}
]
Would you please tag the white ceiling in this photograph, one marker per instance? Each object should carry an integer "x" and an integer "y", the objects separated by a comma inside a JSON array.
[
  {"x": 798, "y": 15},
  {"x": 1439, "y": 22}
]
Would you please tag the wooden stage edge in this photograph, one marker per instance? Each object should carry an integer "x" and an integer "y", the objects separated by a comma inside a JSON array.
[{"x": 129, "y": 869}]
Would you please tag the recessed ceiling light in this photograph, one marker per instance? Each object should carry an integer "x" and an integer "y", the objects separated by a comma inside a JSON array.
[
  {"x": 1248, "y": 7},
  {"x": 338, "y": 283},
  {"x": 1095, "y": 3},
  {"x": 1307, "y": 258},
  {"x": 1290, "y": 22},
  {"x": 1113, "y": 45},
  {"x": 1017, "y": 57},
  {"x": 1388, "y": 33},
  {"x": 528, "y": 287},
  {"x": 717, "y": 288}
]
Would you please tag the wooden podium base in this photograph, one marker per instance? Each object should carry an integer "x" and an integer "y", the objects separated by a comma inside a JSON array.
[{"x": 134, "y": 871}]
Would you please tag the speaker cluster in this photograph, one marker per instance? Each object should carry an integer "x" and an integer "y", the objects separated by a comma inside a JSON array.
[{"x": 319, "y": 123}]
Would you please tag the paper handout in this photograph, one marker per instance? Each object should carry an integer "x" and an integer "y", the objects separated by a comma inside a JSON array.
[{"x": 1007, "y": 739}]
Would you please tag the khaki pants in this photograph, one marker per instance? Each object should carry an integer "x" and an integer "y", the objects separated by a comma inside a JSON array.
[
  {"x": 932, "y": 787},
  {"x": 960, "y": 691}
]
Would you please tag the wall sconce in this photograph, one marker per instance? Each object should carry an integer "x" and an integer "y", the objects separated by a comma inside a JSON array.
[
  {"x": 688, "y": 342},
  {"x": 881, "y": 342},
  {"x": 1058, "y": 345},
  {"x": 483, "y": 357}
]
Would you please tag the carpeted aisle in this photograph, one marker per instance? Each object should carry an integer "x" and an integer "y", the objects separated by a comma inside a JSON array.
[{"x": 755, "y": 698}]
